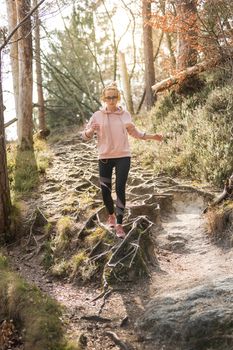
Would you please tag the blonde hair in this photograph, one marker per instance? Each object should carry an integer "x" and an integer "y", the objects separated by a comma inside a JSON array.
[{"x": 112, "y": 86}]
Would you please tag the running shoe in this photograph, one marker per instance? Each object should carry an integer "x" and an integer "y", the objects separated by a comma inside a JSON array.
[
  {"x": 111, "y": 221},
  {"x": 120, "y": 231}
]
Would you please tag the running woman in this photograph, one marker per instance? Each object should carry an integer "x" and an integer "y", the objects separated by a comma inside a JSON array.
[{"x": 112, "y": 126}]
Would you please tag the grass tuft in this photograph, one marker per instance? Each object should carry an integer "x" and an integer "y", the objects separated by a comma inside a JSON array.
[
  {"x": 220, "y": 223},
  {"x": 63, "y": 235}
]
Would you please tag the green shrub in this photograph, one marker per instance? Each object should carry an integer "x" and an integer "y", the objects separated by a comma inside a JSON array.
[{"x": 202, "y": 147}]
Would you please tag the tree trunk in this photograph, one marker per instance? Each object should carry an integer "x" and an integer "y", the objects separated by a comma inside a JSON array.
[
  {"x": 25, "y": 124},
  {"x": 5, "y": 203},
  {"x": 187, "y": 34},
  {"x": 12, "y": 22},
  {"x": 41, "y": 106},
  {"x": 148, "y": 54},
  {"x": 126, "y": 83}
]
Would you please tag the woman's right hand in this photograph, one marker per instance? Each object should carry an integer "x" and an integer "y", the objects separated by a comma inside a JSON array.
[{"x": 95, "y": 127}]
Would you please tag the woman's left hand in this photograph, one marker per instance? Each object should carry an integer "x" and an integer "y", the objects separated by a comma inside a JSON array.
[{"x": 157, "y": 137}]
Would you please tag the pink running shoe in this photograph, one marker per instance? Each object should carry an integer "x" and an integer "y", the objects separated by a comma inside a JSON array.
[
  {"x": 112, "y": 221},
  {"x": 120, "y": 231}
]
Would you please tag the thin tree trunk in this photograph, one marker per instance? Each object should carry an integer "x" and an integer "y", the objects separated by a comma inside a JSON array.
[
  {"x": 12, "y": 22},
  {"x": 155, "y": 56},
  {"x": 126, "y": 83},
  {"x": 41, "y": 106},
  {"x": 5, "y": 202},
  {"x": 187, "y": 35},
  {"x": 169, "y": 46},
  {"x": 25, "y": 124},
  {"x": 148, "y": 54}
]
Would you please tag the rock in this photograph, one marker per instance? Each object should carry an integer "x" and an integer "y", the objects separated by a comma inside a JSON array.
[
  {"x": 175, "y": 246},
  {"x": 199, "y": 320},
  {"x": 152, "y": 211}
]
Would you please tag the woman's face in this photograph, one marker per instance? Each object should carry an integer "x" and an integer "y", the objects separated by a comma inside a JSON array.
[{"x": 111, "y": 98}]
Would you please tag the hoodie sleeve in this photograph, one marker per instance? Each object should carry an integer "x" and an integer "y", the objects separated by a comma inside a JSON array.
[
  {"x": 87, "y": 128},
  {"x": 134, "y": 132}
]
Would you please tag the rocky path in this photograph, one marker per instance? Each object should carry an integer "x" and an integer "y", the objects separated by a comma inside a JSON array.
[{"x": 187, "y": 304}]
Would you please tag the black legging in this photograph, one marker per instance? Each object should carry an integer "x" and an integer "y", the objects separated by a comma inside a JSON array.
[{"x": 122, "y": 166}]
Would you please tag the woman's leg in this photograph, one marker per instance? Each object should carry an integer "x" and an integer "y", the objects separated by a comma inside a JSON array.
[
  {"x": 105, "y": 173},
  {"x": 122, "y": 171}
]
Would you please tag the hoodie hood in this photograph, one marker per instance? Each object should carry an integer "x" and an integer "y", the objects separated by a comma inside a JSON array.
[{"x": 119, "y": 111}]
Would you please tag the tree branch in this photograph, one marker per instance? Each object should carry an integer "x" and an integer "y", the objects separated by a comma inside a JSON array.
[
  {"x": 184, "y": 74},
  {"x": 6, "y": 41}
]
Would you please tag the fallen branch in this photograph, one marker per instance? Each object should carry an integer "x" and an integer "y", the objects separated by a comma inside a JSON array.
[
  {"x": 101, "y": 295},
  {"x": 227, "y": 191},
  {"x": 184, "y": 74},
  {"x": 96, "y": 318},
  {"x": 10, "y": 122},
  {"x": 120, "y": 343},
  {"x": 226, "y": 194}
]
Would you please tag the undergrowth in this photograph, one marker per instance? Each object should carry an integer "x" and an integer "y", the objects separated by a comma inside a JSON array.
[
  {"x": 201, "y": 146},
  {"x": 24, "y": 171},
  {"x": 220, "y": 224},
  {"x": 24, "y": 167}
]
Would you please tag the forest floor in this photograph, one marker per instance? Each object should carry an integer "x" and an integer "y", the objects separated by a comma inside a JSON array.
[{"x": 187, "y": 259}]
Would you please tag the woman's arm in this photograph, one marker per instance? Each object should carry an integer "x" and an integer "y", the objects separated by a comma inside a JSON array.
[
  {"x": 90, "y": 129},
  {"x": 156, "y": 137},
  {"x": 134, "y": 132}
]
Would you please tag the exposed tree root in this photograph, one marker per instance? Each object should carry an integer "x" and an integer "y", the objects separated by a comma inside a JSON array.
[
  {"x": 106, "y": 295},
  {"x": 226, "y": 194},
  {"x": 120, "y": 343},
  {"x": 96, "y": 318},
  {"x": 115, "y": 260},
  {"x": 37, "y": 235}
]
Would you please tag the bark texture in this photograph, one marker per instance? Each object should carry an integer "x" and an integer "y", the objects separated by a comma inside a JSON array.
[
  {"x": 12, "y": 23},
  {"x": 187, "y": 34},
  {"x": 148, "y": 54},
  {"x": 126, "y": 83},
  {"x": 41, "y": 106},
  {"x": 5, "y": 203},
  {"x": 25, "y": 76}
]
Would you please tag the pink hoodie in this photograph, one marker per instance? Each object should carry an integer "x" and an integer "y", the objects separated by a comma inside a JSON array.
[{"x": 113, "y": 134}]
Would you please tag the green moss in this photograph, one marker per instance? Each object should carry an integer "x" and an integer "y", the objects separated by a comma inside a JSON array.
[
  {"x": 98, "y": 234},
  {"x": 3, "y": 262},
  {"x": 26, "y": 172},
  {"x": 48, "y": 255},
  {"x": 32, "y": 311},
  {"x": 24, "y": 166},
  {"x": 76, "y": 261}
]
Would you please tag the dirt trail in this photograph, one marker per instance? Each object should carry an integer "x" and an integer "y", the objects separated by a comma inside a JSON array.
[
  {"x": 187, "y": 258},
  {"x": 193, "y": 259}
]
